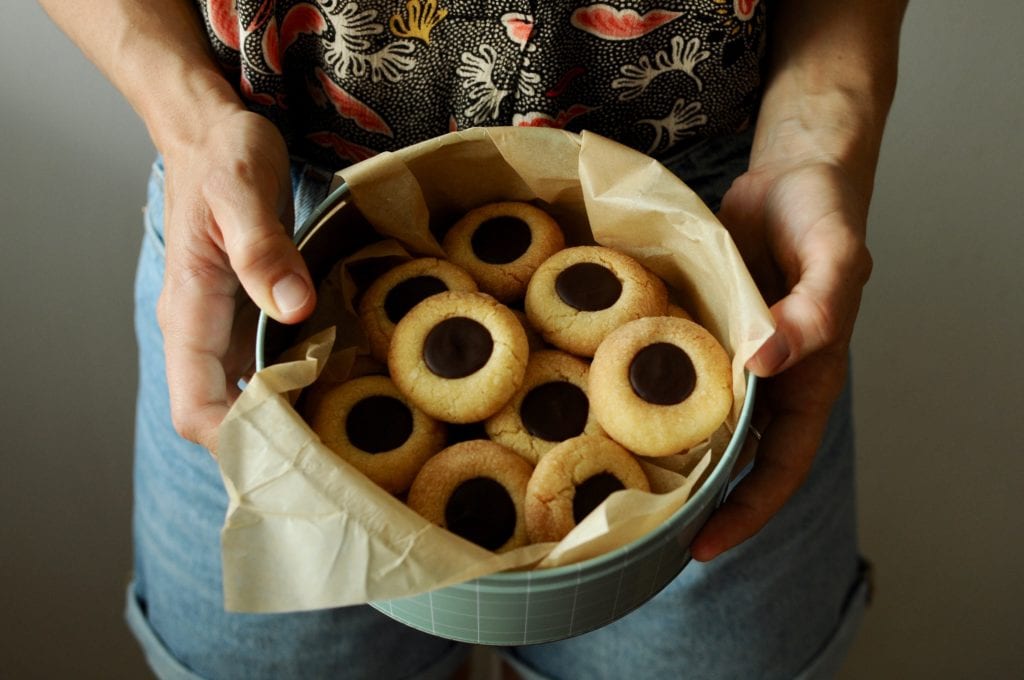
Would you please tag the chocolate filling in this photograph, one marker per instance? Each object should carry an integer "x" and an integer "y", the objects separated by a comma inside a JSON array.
[
  {"x": 501, "y": 239},
  {"x": 482, "y": 511},
  {"x": 588, "y": 286},
  {"x": 555, "y": 411},
  {"x": 464, "y": 432},
  {"x": 378, "y": 423},
  {"x": 457, "y": 347},
  {"x": 591, "y": 492},
  {"x": 662, "y": 374},
  {"x": 409, "y": 293}
]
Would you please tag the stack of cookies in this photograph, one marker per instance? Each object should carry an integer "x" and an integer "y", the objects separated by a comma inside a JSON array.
[{"x": 521, "y": 379}]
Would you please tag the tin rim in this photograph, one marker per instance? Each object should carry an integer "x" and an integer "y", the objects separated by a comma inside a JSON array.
[{"x": 300, "y": 234}]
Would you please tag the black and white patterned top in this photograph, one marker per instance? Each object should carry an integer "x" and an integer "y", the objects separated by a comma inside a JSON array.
[{"x": 345, "y": 79}]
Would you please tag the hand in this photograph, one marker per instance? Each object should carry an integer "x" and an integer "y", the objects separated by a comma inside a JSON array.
[
  {"x": 227, "y": 203},
  {"x": 801, "y": 228}
]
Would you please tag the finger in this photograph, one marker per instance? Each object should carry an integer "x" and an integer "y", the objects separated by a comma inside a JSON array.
[
  {"x": 784, "y": 457},
  {"x": 799, "y": 402},
  {"x": 820, "y": 309},
  {"x": 741, "y": 213},
  {"x": 195, "y": 313},
  {"x": 261, "y": 251}
]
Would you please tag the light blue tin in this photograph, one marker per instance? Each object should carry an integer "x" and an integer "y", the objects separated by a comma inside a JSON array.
[{"x": 525, "y": 607}]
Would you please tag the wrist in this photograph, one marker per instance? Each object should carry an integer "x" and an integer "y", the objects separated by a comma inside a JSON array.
[
  {"x": 839, "y": 127},
  {"x": 158, "y": 56},
  {"x": 182, "y": 115}
]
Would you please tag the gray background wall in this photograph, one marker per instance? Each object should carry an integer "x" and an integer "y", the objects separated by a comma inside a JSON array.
[{"x": 937, "y": 369}]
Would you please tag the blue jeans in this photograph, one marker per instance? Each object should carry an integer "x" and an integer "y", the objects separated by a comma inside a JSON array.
[{"x": 785, "y": 604}]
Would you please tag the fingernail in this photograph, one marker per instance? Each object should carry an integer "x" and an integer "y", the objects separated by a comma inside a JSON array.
[
  {"x": 290, "y": 293},
  {"x": 771, "y": 356}
]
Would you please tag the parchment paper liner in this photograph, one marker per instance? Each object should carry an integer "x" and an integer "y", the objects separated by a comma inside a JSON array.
[{"x": 304, "y": 530}]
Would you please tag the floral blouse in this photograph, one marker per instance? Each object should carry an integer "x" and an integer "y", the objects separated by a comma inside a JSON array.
[{"x": 345, "y": 79}]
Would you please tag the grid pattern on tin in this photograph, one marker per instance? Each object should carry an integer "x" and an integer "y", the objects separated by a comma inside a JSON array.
[
  {"x": 536, "y": 611},
  {"x": 526, "y": 607},
  {"x": 575, "y": 597},
  {"x": 622, "y": 575}
]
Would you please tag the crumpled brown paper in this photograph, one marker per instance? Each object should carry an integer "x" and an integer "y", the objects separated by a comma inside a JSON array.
[{"x": 305, "y": 530}]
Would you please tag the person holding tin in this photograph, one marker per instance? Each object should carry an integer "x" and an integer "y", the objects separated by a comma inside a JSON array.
[{"x": 772, "y": 111}]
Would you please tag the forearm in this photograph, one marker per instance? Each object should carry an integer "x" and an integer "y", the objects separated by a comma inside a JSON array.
[
  {"x": 156, "y": 54},
  {"x": 831, "y": 78},
  {"x": 799, "y": 216}
]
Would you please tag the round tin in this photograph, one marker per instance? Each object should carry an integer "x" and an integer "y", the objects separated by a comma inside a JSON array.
[{"x": 524, "y": 607}]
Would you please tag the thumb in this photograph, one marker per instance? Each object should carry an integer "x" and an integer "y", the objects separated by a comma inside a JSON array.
[
  {"x": 820, "y": 310},
  {"x": 799, "y": 331},
  {"x": 261, "y": 252}
]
